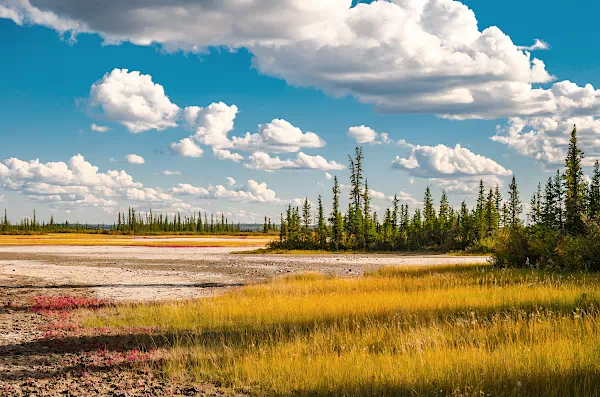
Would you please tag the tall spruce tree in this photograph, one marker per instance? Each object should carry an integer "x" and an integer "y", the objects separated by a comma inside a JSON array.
[
  {"x": 594, "y": 195},
  {"x": 548, "y": 217},
  {"x": 515, "y": 207},
  {"x": 575, "y": 187},
  {"x": 335, "y": 219},
  {"x": 321, "y": 225}
]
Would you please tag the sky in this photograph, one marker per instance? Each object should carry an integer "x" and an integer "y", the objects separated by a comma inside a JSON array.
[{"x": 243, "y": 107}]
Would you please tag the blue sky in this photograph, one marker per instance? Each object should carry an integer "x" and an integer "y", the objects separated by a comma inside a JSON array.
[{"x": 47, "y": 106}]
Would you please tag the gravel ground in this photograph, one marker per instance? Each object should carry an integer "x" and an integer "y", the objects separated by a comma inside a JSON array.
[{"x": 31, "y": 364}]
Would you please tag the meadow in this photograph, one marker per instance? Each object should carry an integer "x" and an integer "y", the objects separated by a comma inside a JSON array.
[{"x": 438, "y": 330}]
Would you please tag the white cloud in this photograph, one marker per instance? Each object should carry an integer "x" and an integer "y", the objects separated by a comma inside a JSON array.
[
  {"x": 262, "y": 161},
  {"x": 401, "y": 56},
  {"x": 212, "y": 124},
  {"x": 230, "y": 181},
  {"x": 77, "y": 184},
  {"x": 134, "y": 159},
  {"x": 99, "y": 128},
  {"x": 134, "y": 100},
  {"x": 537, "y": 45},
  {"x": 186, "y": 188},
  {"x": 468, "y": 186},
  {"x": 186, "y": 148},
  {"x": 362, "y": 134},
  {"x": 224, "y": 154},
  {"x": 251, "y": 192},
  {"x": 169, "y": 173},
  {"x": 328, "y": 176},
  {"x": 445, "y": 162},
  {"x": 278, "y": 136},
  {"x": 377, "y": 195},
  {"x": 76, "y": 172},
  {"x": 546, "y": 139}
]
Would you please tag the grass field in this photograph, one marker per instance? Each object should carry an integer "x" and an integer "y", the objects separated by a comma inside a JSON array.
[
  {"x": 116, "y": 240},
  {"x": 451, "y": 330}
]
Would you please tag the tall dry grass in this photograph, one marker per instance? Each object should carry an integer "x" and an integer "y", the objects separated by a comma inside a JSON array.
[{"x": 463, "y": 330}]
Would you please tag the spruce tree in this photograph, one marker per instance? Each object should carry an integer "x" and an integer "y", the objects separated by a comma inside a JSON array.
[
  {"x": 594, "y": 195},
  {"x": 335, "y": 219},
  {"x": 559, "y": 195},
  {"x": 306, "y": 220},
  {"x": 575, "y": 187},
  {"x": 515, "y": 207},
  {"x": 548, "y": 216},
  {"x": 321, "y": 226}
]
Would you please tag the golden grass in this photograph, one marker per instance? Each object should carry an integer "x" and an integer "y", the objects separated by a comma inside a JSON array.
[
  {"x": 461, "y": 329},
  {"x": 117, "y": 240}
]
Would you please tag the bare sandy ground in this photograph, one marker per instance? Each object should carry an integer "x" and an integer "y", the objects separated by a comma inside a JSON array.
[{"x": 165, "y": 273}]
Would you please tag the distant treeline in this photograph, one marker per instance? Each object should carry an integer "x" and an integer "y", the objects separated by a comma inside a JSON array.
[
  {"x": 133, "y": 222},
  {"x": 562, "y": 229}
]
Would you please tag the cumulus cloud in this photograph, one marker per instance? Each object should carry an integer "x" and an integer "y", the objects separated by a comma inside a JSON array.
[
  {"x": 364, "y": 134},
  {"x": 546, "y": 139},
  {"x": 263, "y": 161},
  {"x": 224, "y": 154},
  {"x": 99, "y": 128},
  {"x": 537, "y": 45},
  {"x": 76, "y": 172},
  {"x": 403, "y": 197},
  {"x": 251, "y": 192},
  {"x": 79, "y": 184},
  {"x": 328, "y": 176},
  {"x": 134, "y": 159},
  {"x": 186, "y": 148},
  {"x": 134, "y": 100},
  {"x": 468, "y": 186},
  {"x": 445, "y": 162},
  {"x": 76, "y": 183},
  {"x": 230, "y": 181},
  {"x": 212, "y": 124},
  {"x": 401, "y": 56},
  {"x": 278, "y": 136}
]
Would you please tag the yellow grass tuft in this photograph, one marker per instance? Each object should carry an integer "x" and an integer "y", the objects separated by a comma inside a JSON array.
[{"x": 445, "y": 330}]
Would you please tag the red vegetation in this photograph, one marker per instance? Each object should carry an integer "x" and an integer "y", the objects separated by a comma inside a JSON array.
[{"x": 44, "y": 304}]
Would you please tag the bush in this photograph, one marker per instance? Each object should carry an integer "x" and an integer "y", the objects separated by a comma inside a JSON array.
[
  {"x": 581, "y": 252},
  {"x": 549, "y": 249},
  {"x": 512, "y": 248}
]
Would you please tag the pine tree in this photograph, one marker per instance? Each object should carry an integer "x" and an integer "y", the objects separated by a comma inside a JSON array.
[
  {"x": 575, "y": 187},
  {"x": 368, "y": 224},
  {"x": 335, "y": 219},
  {"x": 306, "y": 220},
  {"x": 594, "y": 195},
  {"x": 515, "y": 207},
  {"x": 321, "y": 226},
  {"x": 480, "y": 210},
  {"x": 355, "y": 212},
  {"x": 548, "y": 210},
  {"x": 444, "y": 213},
  {"x": 498, "y": 205},
  {"x": 559, "y": 200}
]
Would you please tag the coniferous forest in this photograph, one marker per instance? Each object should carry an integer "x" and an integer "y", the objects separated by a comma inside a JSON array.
[{"x": 561, "y": 229}]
